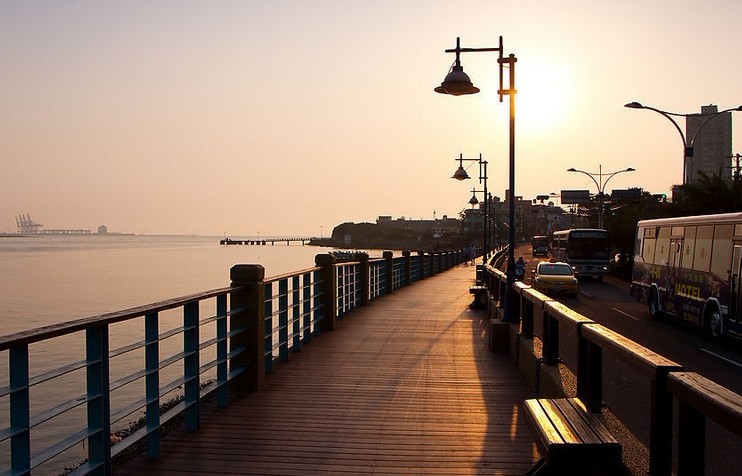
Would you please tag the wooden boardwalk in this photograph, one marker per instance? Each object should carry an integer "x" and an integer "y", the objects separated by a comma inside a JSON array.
[{"x": 405, "y": 385}]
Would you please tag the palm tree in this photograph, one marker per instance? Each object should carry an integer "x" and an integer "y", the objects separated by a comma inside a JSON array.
[{"x": 711, "y": 194}]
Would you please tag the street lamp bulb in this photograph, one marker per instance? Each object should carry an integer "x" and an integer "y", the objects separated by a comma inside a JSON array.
[
  {"x": 457, "y": 83},
  {"x": 634, "y": 105},
  {"x": 473, "y": 200},
  {"x": 460, "y": 174}
]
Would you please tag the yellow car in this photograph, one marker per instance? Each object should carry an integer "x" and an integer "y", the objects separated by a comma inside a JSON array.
[{"x": 554, "y": 278}]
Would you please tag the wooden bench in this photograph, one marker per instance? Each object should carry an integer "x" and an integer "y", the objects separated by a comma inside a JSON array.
[
  {"x": 575, "y": 441},
  {"x": 480, "y": 296}
]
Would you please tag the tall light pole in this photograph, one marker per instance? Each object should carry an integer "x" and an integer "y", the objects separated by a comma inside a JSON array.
[
  {"x": 461, "y": 174},
  {"x": 600, "y": 183},
  {"x": 457, "y": 83},
  {"x": 688, "y": 142}
]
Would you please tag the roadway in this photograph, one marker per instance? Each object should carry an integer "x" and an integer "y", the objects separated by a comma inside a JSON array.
[{"x": 610, "y": 304}]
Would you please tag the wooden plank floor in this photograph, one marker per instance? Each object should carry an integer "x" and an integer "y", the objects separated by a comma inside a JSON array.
[{"x": 405, "y": 385}]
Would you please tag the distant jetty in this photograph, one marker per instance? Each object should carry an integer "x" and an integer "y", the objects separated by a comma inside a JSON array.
[{"x": 265, "y": 241}]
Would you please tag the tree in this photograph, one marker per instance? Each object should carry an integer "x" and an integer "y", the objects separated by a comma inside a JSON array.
[{"x": 710, "y": 194}]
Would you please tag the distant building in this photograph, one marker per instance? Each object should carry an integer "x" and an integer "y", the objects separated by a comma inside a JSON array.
[
  {"x": 102, "y": 230},
  {"x": 712, "y": 146}
]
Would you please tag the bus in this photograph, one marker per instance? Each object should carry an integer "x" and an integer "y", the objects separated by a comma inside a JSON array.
[
  {"x": 540, "y": 245},
  {"x": 586, "y": 249},
  {"x": 688, "y": 268}
]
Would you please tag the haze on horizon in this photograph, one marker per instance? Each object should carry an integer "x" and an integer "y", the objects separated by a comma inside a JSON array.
[{"x": 290, "y": 117}]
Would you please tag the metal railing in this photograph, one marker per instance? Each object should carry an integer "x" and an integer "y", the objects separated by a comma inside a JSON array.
[
  {"x": 153, "y": 363},
  {"x": 578, "y": 342}
]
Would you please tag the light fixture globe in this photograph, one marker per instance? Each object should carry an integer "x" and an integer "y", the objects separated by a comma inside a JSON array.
[
  {"x": 457, "y": 83},
  {"x": 473, "y": 200},
  {"x": 460, "y": 174}
]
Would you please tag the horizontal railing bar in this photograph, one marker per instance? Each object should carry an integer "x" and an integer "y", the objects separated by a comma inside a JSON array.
[
  {"x": 171, "y": 360},
  {"x": 275, "y": 279},
  {"x": 58, "y": 372},
  {"x": 235, "y": 352},
  {"x": 65, "y": 444},
  {"x": 209, "y": 343},
  {"x": 236, "y": 331},
  {"x": 55, "y": 330},
  {"x": 128, "y": 410},
  {"x": 58, "y": 410},
  {"x": 133, "y": 377}
]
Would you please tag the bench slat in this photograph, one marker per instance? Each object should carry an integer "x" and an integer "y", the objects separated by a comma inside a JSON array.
[
  {"x": 547, "y": 433},
  {"x": 561, "y": 421},
  {"x": 590, "y": 429},
  {"x": 573, "y": 438}
]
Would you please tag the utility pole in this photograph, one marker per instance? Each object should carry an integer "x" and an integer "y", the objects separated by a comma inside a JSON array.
[{"x": 736, "y": 167}]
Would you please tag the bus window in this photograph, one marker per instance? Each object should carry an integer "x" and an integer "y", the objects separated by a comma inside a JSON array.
[
  {"x": 721, "y": 256},
  {"x": 690, "y": 246},
  {"x": 648, "y": 251},
  {"x": 662, "y": 250},
  {"x": 702, "y": 258},
  {"x": 638, "y": 242}
]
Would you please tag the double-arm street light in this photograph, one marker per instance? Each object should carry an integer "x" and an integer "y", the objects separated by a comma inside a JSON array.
[
  {"x": 688, "y": 142},
  {"x": 461, "y": 174},
  {"x": 600, "y": 183},
  {"x": 457, "y": 83}
]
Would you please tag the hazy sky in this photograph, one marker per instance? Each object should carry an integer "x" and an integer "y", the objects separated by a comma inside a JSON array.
[{"x": 290, "y": 117}]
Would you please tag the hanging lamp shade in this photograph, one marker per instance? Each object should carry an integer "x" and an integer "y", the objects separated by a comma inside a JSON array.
[
  {"x": 457, "y": 83},
  {"x": 473, "y": 201},
  {"x": 460, "y": 174}
]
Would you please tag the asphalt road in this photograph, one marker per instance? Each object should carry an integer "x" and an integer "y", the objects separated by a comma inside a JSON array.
[{"x": 627, "y": 393}]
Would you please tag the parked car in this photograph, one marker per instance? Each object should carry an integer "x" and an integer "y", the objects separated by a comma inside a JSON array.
[{"x": 555, "y": 278}]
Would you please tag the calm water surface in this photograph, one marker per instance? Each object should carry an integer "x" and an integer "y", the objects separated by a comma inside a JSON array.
[{"x": 45, "y": 280}]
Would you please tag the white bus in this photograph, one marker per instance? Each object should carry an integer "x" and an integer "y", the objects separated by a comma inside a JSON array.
[
  {"x": 689, "y": 268},
  {"x": 586, "y": 249}
]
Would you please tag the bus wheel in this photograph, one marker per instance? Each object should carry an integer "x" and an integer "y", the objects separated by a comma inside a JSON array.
[
  {"x": 713, "y": 323},
  {"x": 654, "y": 305}
]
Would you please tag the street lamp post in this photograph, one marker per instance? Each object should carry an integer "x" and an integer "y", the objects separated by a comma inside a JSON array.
[
  {"x": 457, "y": 83},
  {"x": 688, "y": 143},
  {"x": 601, "y": 185},
  {"x": 461, "y": 174}
]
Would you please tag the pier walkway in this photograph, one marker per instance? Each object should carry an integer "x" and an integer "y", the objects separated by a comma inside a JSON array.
[{"x": 405, "y": 385}]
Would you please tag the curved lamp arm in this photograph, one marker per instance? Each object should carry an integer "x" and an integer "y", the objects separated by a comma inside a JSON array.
[
  {"x": 630, "y": 169},
  {"x": 693, "y": 140},
  {"x": 589, "y": 175}
]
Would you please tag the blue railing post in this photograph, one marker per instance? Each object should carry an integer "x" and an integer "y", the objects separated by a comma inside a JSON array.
[
  {"x": 222, "y": 369},
  {"x": 268, "y": 326},
  {"x": 306, "y": 306},
  {"x": 152, "y": 382},
  {"x": 247, "y": 326},
  {"x": 296, "y": 313},
  {"x": 407, "y": 268},
  {"x": 20, "y": 419},
  {"x": 421, "y": 264},
  {"x": 283, "y": 320},
  {"x": 389, "y": 271},
  {"x": 191, "y": 364},
  {"x": 98, "y": 399},
  {"x": 328, "y": 291},
  {"x": 364, "y": 281}
]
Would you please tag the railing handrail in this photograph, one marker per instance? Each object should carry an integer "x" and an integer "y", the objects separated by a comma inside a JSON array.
[{"x": 68, "y": 327}]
